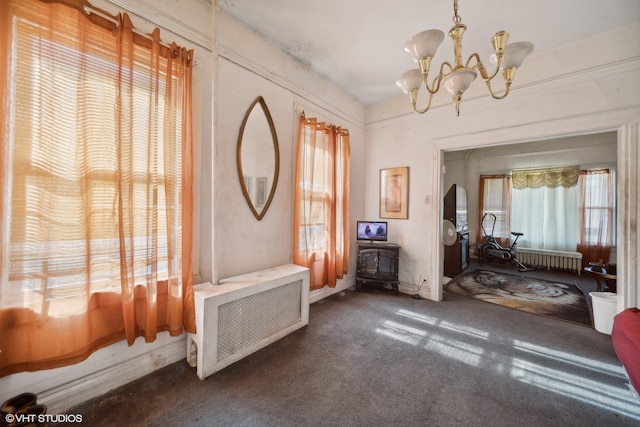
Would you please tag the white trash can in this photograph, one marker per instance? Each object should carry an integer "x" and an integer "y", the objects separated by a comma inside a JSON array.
[{"x": 605, "y": 305}]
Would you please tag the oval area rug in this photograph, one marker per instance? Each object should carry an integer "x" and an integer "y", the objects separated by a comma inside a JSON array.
[{"x": 545, "y": 298}]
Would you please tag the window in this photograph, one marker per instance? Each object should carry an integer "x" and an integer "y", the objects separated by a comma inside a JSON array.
[
  {"x": 596, "y": 215},
  {"x": 95, "y": 176},
  {"x": 495, "y": 198},
  {"x": 67, "y": 168},
  {"x": 321, "y": 201},
  {"x": 63, "y": 144},
  {"x": 316, "y": 199},
  {"x": 598, "y": 206},
  {"x": 544, "y": 206}
]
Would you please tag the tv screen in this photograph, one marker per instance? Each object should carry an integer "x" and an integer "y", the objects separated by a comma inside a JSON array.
[{"x": 372, "y": 230}]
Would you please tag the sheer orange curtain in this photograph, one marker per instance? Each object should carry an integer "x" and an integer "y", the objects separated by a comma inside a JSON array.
[
  {"x": 595, "y": 215},
  {"x": 495, "y": 197},
  {"x": 321, "y": 201},
  {"x": 96, "y": 178}
]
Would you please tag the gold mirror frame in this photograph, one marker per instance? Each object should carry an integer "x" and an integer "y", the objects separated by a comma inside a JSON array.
[{"x": 263, "y": 192}]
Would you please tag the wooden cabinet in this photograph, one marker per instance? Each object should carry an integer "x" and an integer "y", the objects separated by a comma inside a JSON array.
[
  {"x": 377, "y": 265},
  {"x": 456, "y": 256}
]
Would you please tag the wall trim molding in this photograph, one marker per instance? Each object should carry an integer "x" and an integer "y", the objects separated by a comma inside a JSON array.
[
  {"x": 528, "y": 89},
  {"x": 342, "y": 285},
  {"x": 68, "y": 395},
  {"x": 269, "y": 75},
  {"x": 628, "y": 207},
  {"x": 566, "y": 126},
  {"x": 148, "y": 12}
]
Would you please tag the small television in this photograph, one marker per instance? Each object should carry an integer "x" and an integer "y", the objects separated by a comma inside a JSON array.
[{"x": 374, "y": 231}]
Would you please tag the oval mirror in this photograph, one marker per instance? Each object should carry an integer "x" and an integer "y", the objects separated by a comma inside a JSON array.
[{"x": 258, "y": 157}]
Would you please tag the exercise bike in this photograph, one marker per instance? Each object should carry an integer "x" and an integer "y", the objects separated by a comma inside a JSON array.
[{"x": 492, "y": 249}]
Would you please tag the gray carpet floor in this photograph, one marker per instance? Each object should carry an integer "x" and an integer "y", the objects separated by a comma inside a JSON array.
[{"x": 372, "y": 358}]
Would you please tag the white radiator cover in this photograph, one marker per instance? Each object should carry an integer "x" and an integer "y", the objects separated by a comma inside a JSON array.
[
  {"x": 246, "y": 313},
  {"x": 561, "y": 260}
]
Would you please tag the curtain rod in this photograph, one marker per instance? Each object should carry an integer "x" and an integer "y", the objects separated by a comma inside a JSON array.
[{"x": 88, "y": 10}]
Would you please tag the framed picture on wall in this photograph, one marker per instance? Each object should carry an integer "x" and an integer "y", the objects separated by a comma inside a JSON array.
[{"x": 394, "y": 193}]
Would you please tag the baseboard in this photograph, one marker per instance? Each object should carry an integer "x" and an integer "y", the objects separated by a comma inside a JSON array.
[
  {"x": 66, "y": 396},
  {"x": 409, "y": 288},
  {"x": 320, "y": 294}
]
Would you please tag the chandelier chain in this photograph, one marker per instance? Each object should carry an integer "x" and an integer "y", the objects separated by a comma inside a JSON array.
[{"x": 456, "y": 17}]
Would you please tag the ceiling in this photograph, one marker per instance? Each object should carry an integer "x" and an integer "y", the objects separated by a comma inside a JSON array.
[{"x": 358, "y": 44}]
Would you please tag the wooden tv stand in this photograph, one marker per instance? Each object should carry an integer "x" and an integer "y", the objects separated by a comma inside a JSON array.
[{"x": 377, "y": 265}]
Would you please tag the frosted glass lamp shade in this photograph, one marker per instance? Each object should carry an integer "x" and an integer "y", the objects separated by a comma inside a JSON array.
[
  {"x": 459, "y": 80},
  {"x": 424, "y": 44},
  {"x": 410, "y": 80},
  {"x": 515, "y": 53}
]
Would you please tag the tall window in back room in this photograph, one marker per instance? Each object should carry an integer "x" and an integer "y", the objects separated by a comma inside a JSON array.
[
  {"x": 321, "y": 201},
  {"x": 96, "y": 176},
  {"x": 596, "y": 215},
  {"x": 544, "y": 206},
  {"x": 495, "y": 198}
]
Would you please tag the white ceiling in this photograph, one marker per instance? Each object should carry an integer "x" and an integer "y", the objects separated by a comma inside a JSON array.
[{"x": 358, "y": 44}]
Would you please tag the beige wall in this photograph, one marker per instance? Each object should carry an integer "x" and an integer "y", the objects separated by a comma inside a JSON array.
[{"x": 249, "y": 66}]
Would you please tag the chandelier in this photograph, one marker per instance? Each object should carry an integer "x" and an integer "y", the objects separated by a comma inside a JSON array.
[{"x": 457, "y": 78}]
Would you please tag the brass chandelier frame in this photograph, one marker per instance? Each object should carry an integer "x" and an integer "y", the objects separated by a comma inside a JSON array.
[{"x": 462, "y": 74}]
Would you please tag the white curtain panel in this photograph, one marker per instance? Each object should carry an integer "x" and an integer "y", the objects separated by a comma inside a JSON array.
[{"x": 548, "y": 217}]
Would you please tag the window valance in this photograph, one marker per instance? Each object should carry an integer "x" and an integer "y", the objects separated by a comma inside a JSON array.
[{"x": 550, "y": 177}]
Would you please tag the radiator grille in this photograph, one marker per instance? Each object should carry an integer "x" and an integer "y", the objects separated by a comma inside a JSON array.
[
  {"x": 551, "y": 259},
  {"x": 247, "y": 321},
  {"x": 245, "y": 313}
]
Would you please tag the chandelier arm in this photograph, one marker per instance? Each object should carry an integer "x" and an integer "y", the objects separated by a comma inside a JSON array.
[
  {"x": 494, "y": 96},
  {"x": 435, "y": 84},
  {"x": 426, "y": 108},
  {"x": 480, "y": 67}
]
